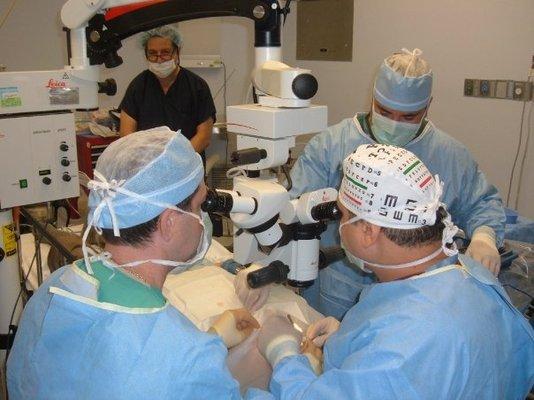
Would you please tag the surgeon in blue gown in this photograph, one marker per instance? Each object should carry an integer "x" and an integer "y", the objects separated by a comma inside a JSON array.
[
  {"x": 437, "y": 325},
  {"x": 401, "y": 99},
  {"x": 100, "y": 328}
]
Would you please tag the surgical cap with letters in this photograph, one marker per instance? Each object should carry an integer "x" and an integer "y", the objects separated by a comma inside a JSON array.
[{"x": 390, "y": 187}]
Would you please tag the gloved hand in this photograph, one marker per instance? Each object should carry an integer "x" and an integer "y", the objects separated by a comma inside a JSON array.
[
  {"x": 321, "y": 330},
  {"x": 252, "y": 299},
  {"x": 278, "y": 339},
  {"x": 483, "y": 249},
  {"x": 234, "y": 326},
  {"x": 314, "y": 355}
]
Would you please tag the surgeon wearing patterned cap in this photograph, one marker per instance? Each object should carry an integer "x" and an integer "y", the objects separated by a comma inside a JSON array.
[
  {"x": 402, "y": 94},
  {"x": 100, "y": 328},
  {"x": 437, "y": 325}
]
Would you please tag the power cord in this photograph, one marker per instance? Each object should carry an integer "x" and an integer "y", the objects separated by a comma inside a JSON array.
[
  {"x": 224, "y": 88},
  {"x": 225, "y": 105},
  {"x": 22, "y": 289},
  {"x": 512, "y": 173},
  {"x": 288, "y": 177},
  {"x": 522, "y": 167},
  {"x": 8, "y": 13}
]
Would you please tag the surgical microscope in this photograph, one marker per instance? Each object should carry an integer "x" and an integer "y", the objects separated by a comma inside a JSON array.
[{"x": 38, "y": 161}]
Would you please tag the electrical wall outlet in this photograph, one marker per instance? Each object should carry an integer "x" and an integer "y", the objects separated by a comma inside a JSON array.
[
  {"x": 469, "y": 87},
  {"x": 498, "y": 89},
  {"x": 201, "y": 61},
  {"x": 501, "y": 89},
  {"x": 522, "y": 91},
  {"x": 484, "y": 88}
]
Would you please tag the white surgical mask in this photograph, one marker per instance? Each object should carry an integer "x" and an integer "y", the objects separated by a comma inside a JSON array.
[
  {"x": 448, "y": 234},
  {"x": 202, "y": 249},
  {"x": 162, "y": 70},
  {"x": 351, "y": 257},
  {"x": 113, "y": 186},
  {"x": 387, "y": 131}
]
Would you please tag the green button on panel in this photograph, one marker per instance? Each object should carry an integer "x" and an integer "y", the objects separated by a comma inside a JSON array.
[{"x": 23, "y": 183}]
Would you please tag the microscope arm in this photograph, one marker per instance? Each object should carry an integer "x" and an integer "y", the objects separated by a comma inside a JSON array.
[{"x": 105, "y": 24}]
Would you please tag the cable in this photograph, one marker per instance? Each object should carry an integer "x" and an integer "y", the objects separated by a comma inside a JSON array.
[
  {"x": 247, "y": 92},
  {"x": 73, "y": 209},
  {"x": 236, "y": 171},
  {"x": 224, "y": 87},
  {"x": 288, "y": 177},
  {"x": 519, "y": 290},
  {"x": 524, "y": 309},
  {"x": 522, "y": 167},
  {"x": 512, "y": 173},
  {"x": 22, "y": 288},
  {"x": 225, "y": 117},
  {"x": 8, "y": 13},
  {"x": 226, "y": 80},
  {"x": 254, "y": 95}
]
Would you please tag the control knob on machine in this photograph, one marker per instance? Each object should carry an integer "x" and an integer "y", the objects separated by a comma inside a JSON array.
[
  {"x": 47, "y": 180},
  {"x": 66, "y": 177},
  {"x": 65, "y": 162},
  {"x": 63, "y": 146}
]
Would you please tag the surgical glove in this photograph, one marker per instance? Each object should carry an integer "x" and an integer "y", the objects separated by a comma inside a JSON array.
[
  {"x": 278, "y": 339},
  {"x": 314, "y": 355},
  {"x": 234, "y": 326},
  {"x": 321, "y": 330},
  {"x": 483, "y": 249},
  {"x": 252, "y": 299}
]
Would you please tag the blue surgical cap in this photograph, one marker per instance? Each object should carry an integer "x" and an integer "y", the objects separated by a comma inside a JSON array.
[
  {"x": 402, "y": 93},
  {"x": 167, "y": 31},
  {"x": 156, "y": 165}
]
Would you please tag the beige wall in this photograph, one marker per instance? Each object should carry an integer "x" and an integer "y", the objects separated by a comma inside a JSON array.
[{"x": 491, "y": 39}]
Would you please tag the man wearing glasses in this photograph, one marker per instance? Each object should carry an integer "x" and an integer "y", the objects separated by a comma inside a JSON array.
[{"x": 166, "y": 94}]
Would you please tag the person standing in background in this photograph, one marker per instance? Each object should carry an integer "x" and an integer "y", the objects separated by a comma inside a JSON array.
[{"x": 166, "y": 94}]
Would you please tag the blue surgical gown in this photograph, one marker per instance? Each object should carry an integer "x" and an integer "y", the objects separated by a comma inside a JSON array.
[
  {"x": 70, "y": 346},
  {"x": 451, "y": 333},
  {"x": 470, "y": 199}
]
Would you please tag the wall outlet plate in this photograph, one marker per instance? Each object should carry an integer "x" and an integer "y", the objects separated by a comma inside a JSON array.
[
  {"x": 522, "y": 90},
  {"x": 484, "y": 88},
  {"x": 499, "y": 89},
  {"x": 469, "y": 87},
  {"x": 519, "y": 90},
  {"x": 200, "y": 61}
]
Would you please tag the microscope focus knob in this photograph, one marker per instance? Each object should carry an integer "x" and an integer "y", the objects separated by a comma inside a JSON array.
[
  {"x": 109, "y": 87},
  {"x": 305, "y": 86}
]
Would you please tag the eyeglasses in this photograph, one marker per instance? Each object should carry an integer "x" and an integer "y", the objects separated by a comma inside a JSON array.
[{"x": 165, "y": 55}]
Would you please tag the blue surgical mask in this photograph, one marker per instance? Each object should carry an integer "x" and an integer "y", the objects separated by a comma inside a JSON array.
[{"x": 387, "y": 131}]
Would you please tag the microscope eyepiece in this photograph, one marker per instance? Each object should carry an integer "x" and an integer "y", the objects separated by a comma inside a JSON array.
[
  {"x": 220, "y": 202},
  {"x": 248, "y": 156},
  {"x": 225, "y": 202},
  {"x": 326, "y": 211},
  {"x": 275, "y": 272}
]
